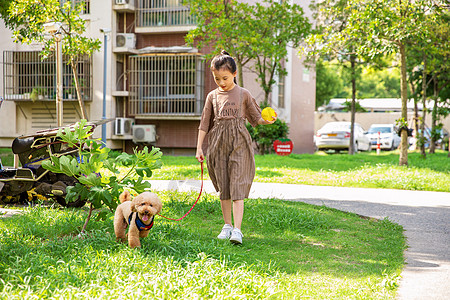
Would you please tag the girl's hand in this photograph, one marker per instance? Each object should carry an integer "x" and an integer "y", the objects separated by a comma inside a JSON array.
[
  {"x": 265, "y": 122},
  {"x": 199, "y": 155}
]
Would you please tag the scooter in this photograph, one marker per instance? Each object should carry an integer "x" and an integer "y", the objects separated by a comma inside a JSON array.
[{"x": 19, "y": 184}]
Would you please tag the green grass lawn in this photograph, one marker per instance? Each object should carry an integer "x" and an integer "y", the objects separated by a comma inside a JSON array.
[
  {"x": 364, "y": 170},
  {"x": 6, "y": 157},
  {"x": 291, "y": 250}
]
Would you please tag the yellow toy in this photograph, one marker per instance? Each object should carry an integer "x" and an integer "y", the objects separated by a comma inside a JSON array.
[{"x": 268, "y": 114}]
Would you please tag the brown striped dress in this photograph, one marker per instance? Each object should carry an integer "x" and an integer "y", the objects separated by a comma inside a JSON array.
[{"x": 230, "y": 158}]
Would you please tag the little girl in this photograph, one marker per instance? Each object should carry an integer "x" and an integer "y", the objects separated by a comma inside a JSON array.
[{"x": 230, "y": 160}]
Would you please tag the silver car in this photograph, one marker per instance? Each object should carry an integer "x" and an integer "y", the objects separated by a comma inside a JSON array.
[{"x": 336, "y": 136}]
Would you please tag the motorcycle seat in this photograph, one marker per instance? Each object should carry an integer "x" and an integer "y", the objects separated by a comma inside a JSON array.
[{"x": 21, "y": 145}]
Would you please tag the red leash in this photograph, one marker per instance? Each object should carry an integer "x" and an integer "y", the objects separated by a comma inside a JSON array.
[{"x": 201, "y": 189}]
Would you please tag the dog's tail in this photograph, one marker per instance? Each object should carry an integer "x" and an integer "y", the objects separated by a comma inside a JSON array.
[{"x": 125, "y": 196}]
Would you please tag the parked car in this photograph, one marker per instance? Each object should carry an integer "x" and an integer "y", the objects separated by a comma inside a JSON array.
[
  {"x": 389, "y": 139},
  {"x": 442, "y": 142},
  {"x": 336, "y": 136}
]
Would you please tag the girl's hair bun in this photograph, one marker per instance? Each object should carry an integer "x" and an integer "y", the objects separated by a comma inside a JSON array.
[{"x": 224, "y": 60}]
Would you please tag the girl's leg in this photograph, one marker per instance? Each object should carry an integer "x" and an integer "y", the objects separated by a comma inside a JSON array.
[
  {"x": 226, "y": 210},
  {"x": 238, "y": 212}
]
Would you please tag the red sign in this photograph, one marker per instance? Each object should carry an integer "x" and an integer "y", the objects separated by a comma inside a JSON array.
[{"x": 283, "y": 146}]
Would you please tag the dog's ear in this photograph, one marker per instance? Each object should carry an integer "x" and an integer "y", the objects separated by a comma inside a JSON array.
[
  {"x": 159, "y": 207},
  {"x": 158, "y": 204},
  {"x": 134, "y": 202},
  {"x": 125, "y": 196}
]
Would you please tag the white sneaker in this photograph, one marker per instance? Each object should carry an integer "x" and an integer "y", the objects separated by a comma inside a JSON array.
[
  {"x": 236, "y": 236},
  {"x": 226, "y": 232}
]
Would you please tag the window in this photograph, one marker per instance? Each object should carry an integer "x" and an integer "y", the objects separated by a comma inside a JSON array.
[
  {"x": 154, "y": 13},
  {"x": 166, "y": 84},
  {"x": 86, "y": 5},
  {"x": 281, "y": 87},
  {"x": 281, "y": 97},
  {"x": 27, "y": 77}
]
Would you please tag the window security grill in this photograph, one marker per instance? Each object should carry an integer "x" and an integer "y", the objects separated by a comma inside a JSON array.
[
  {"x": 86, "y": 5},
  {"x": 26, "y": 77},
  {"x": 281, "y": 87},
  {"x": 166, "y": 84},
  {"x": 153, "y": 13}
]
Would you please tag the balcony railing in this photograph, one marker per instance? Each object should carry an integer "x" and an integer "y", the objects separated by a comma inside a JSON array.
[
  {"x": 166, "y": 85},
  {"x": 27, "y": 77},
  {"x": 163, "y": 13}
]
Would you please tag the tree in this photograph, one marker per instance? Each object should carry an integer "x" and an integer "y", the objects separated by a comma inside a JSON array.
[
  {"x": 258, "y": 33},
  {"x": 27, "y": 19},
  {"x": 429, "y": 73},
  {"x": 376, "y": 83},
  {"x": 274, "y": 27},
  {"x": 328, "y": 83},
  {"x": 331, "y": 39},
  {"x": 219, "y": 25},
  {"x": 4, "y": 7},
  {"x": 388, "y": 26}
]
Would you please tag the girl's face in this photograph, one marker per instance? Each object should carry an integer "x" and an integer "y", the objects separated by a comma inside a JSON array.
[{"x": 224, "y": 79}]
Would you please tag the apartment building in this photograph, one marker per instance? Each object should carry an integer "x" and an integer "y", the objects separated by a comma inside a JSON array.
[{"x": 155, "y": 84}]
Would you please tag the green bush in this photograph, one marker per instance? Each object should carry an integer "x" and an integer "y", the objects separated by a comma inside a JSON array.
[{"x": 265, "y": 135}]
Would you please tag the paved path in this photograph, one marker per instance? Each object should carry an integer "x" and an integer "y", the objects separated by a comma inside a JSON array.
[{"x": 425, "y": 216}]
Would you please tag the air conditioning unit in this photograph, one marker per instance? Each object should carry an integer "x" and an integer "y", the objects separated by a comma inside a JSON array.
[
  {"x": 144, "y": 133},
  {"x": 118, "y": 2},
  {"x": 126, "y": 40},
  {"x": 123, "y": 126}
]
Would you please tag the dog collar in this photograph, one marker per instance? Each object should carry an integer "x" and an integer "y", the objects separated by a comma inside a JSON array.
[{"x": 140, "y": 225}]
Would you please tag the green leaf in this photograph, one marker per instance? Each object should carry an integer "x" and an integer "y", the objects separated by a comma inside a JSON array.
[
  {"x": 76, "y": 192},
  {"x": 92, "y": 180},
  {"x": 142, "y": 171},
  {"x": 125, "y": 159},
  {"x": 102, "y": 216},
  {"x": 140, "y": 185},
  {"x": 110, "y": 165},
  {"x": 52, "y": 165},
  {"x": 99, "y": 195},
  {"x": 69, "y": 165}
]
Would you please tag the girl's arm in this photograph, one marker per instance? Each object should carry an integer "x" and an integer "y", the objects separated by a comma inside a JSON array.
[{"x": 201, "y": 137}]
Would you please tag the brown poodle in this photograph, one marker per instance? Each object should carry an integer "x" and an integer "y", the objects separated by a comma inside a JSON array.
[{"x": 138, "y": 213}]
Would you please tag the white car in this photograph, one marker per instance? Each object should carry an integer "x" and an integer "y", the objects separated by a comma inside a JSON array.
[
  {"x": 389, "y": 139},
  {"x": 336, "y": 136}
]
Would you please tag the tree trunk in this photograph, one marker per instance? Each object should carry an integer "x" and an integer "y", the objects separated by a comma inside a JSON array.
[
  {"x": 351, "y": 146},
  {"x": 91, "y": 208},
  {"x": 239, "y": 75},
  {"x": 77, "y": 89},
  {"x": 434, "y": 118},
  {"x": 420, "y": 136},
  {"x": 403, "y": 159}
]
